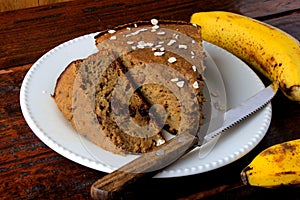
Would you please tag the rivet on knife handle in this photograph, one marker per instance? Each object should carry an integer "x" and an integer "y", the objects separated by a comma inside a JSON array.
[{"x": 111, "y": 185}]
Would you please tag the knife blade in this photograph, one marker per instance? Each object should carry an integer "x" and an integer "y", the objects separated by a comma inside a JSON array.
[
  {"x": 235, "y": 115},
  {"x": 147, "y": 165}
]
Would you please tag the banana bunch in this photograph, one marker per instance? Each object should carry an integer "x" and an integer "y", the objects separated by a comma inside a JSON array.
[
  {"x": 276, "y": 166},
  {"x": 267, "y": 49}
]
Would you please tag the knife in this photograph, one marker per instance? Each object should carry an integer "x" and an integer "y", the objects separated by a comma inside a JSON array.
[
  {"x": 147, "y": 165},
  {"x": 234, "y": 116}
]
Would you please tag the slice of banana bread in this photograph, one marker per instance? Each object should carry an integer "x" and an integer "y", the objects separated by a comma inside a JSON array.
[
  {"x": 146, "y": 75},
  {"x": 166, "y": 61},
  {"x": 83, "y": 94}
]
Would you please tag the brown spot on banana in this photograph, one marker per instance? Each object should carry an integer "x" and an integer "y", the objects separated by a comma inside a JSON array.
[
  {"x": 281, "y": 149},
  {"x": 284, "y": 173},
  {"x": 288, "y": 147},
  {"x": 292, "y": 92}
]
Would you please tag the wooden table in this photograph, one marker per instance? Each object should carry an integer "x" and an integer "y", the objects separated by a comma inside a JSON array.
[{"x": 31, "y": 170}]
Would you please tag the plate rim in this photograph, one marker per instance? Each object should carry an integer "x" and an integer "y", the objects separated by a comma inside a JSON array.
[{"x": 67, "y": 153}]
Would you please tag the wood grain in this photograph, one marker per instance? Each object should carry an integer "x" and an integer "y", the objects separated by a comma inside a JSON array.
[
  {"x": 26, "y": 162},
  {"x": 7, "y": 5},
  {"x": 40, "y": 29},
  {"x": 31, "y": 170}
]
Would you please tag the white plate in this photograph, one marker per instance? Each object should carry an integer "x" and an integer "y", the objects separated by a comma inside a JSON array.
[{"x": 54, "y": 130}]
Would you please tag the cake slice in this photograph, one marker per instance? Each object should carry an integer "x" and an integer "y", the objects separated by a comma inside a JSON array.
[
  {"x": 166, "y": 59},
  {"x": 145, "y": 77},
  {"x": 83, "y": 94}
]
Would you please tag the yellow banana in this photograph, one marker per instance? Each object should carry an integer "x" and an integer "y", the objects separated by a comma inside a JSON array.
[
  {"x": 276, "y": 166},
  {"x": 267, "y": 49}
]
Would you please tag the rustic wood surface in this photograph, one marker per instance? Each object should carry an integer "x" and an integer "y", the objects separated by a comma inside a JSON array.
[
  {"x": 31, "y": 170},
  {"x": 7, "y": 5}
]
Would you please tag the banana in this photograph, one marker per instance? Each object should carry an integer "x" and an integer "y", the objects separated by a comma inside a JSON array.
[
  {"x": 267, "y": 49},
  {"x": 276, "y": 166}
]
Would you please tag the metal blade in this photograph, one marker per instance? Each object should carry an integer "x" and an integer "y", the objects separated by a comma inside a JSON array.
[{"x": 244, "y": 110}]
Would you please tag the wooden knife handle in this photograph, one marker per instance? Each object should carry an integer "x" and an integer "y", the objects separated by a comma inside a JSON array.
[{"x": 111, "y": 185}]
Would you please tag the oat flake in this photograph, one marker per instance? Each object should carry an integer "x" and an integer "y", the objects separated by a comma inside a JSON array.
[
  {"x": 155, "y": 27},
  {"x": 171, "y": 42},
  {"x": 161, "y": 33},
  {"x": 154, "y": 21},
  {"x": 172, "y": 60},
  {"x": 194, "y": 68},
  {"x": 158, "y": 53},
  {"x": 180, "y": 84},
  {"x": 111, "y": 31},
  {"x": 182, "y": 46},
  {"x": 174, "y": 79},
  {"x": 195, "y": 85}
]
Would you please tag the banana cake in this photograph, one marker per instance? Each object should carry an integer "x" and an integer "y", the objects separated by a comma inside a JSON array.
[{"x": 146, "y": 76}]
